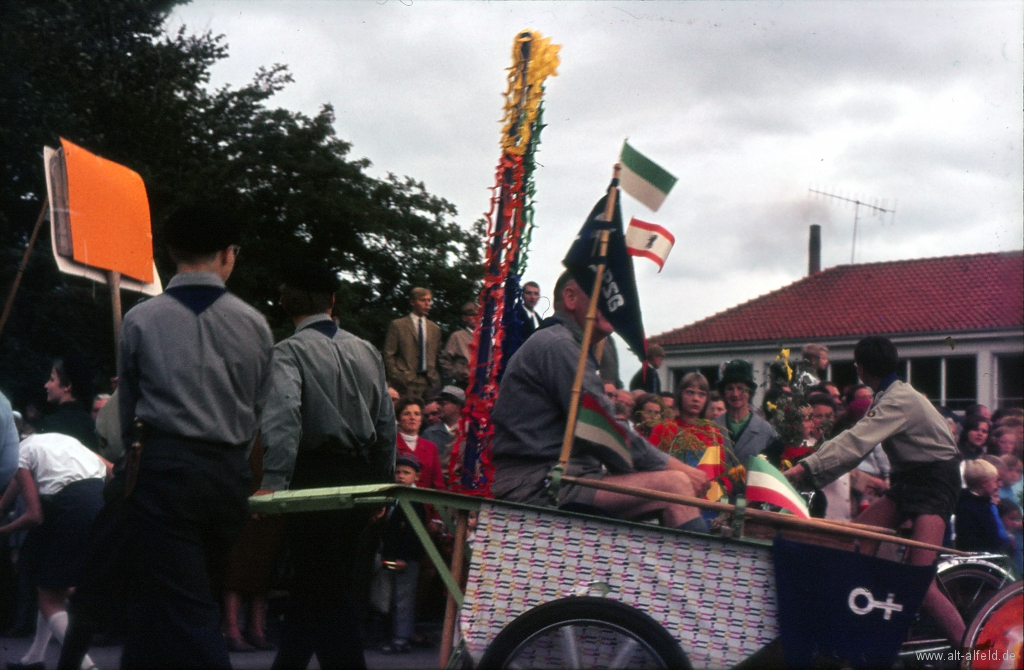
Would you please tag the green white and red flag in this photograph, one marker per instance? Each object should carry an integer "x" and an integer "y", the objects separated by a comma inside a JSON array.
[
  {"x": 766, "y": 484},
  {"x": 644, "y": 179},
  {"x": 603, "y": 433}
]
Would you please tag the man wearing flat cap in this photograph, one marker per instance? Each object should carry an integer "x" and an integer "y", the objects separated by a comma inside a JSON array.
[
  {"x": 451, "y": 401},
  {"x": 329, "y": 422},
  {"x": 193, "y": 376}
]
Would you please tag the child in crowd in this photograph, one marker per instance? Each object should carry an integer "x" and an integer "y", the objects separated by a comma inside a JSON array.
[
  {"x": 1013, "y": 479},
  {"x": 1010, "y": 515},
  {"x": 978, "y": 527},
  {"x": 1003, "y": 441},
  {"x": 401, "y": 554}
]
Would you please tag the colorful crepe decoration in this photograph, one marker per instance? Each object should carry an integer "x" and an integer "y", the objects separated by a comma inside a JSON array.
[{"x": 509, "y": 227}]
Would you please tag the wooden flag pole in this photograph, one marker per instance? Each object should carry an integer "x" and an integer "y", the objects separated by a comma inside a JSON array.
[
  {"x": 114, "y": 281},
  {"x": 24, "y": 264},
  {"x": 588, "y": 330}
]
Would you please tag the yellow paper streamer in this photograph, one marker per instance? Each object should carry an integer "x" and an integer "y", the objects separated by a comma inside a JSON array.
[{"x": 522, "y": 99}]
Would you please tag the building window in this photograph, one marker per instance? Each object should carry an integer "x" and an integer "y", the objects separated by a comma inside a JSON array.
[
  {"x": 925, "y": 375},
  {"x": 842, "y": 374},
  {"x": 1010, "y": 369},
  {"x": 961, "y": 382},
  {"x": 949, "y": 381}
]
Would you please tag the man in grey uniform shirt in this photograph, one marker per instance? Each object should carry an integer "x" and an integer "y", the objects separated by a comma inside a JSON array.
[
  {"x": 329, "y": 422},
  {"x": 194, "y": 369},
  {"x": 529, "y": 422},
  {"x": 923, "y": 456}
]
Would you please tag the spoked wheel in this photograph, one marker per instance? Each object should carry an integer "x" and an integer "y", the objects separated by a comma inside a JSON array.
[
  {"x": 969, "y": 586},
  {"x": 584, "y": 632}
]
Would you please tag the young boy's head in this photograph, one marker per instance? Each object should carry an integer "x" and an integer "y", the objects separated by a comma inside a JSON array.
[
  {"x": 1014, "y": 471},
  {"x": 407, "y": 469},
  {"x": 1009, "y": 514},
  {"x": 981, "y": 477}
]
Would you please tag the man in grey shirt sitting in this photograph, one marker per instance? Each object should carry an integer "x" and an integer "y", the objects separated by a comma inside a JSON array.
[{"x": 529, "y": 422}]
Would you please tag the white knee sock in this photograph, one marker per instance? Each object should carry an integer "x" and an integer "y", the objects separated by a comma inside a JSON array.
[
  {"x": 59, "y": 626},
  {"x": 37, "y": 652}
]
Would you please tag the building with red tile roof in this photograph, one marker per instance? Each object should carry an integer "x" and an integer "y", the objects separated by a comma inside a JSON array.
[{"x": 958, "y": 322}]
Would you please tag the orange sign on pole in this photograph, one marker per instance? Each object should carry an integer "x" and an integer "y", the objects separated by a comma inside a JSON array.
[
  {"x": 109, "y": 214},
  {"x": 99, "y": 219}
]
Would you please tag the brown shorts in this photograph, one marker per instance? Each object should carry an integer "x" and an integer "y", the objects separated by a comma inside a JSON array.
[
  {"x": 930, "y": 488},
  {"x": 525, "y": 481}
]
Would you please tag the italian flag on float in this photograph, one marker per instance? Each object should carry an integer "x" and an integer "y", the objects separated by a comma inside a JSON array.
[
  {"x": 766, "y": 484},
  {"x": 596, "y": 426}
]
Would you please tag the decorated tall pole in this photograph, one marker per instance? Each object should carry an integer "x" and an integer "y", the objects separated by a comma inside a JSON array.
[{"x": 509, "y": 223}]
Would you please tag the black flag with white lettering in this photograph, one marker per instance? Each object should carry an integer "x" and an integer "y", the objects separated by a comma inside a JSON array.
[
  {"x": 618, "y": 300},
  {"x": 844, "y": 605}
]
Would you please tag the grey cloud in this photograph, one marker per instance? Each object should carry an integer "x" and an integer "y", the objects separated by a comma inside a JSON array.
[{"x": 747, "y": 103}]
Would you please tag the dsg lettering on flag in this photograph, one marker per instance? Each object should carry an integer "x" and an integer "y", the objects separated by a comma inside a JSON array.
[{"x": 618, "y": 298}]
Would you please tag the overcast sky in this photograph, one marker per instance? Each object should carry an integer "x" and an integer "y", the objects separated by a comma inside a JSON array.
[{"x": 749, "y": 104}]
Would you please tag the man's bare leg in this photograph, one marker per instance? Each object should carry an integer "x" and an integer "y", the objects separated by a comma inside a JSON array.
[
  {"x": 928, "y": 528},
  {"x": 882, "y": 513},
  {"x": 931, "y": 528},
  {"x": 665, "y": 481}
]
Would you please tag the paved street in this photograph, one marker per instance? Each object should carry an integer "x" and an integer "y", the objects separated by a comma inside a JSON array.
[{"x": 107, "y": 658}]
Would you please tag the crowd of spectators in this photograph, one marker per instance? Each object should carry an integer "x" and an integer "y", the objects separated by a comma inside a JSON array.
[
  {"x": 703, "y": 422},
  {"x": 801, "y": 410}
]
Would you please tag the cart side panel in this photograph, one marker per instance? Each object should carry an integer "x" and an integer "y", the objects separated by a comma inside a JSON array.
[{"x": 717, "y": 597}]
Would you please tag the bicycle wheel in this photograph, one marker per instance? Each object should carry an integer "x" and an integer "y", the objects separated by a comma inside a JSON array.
[
  {"x": 584, "y": 632},
  {"x": 997, "y": 633},
  {"x": 968, "y": 586}
]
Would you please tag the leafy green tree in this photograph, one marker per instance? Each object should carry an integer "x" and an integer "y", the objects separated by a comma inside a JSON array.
[{"x": 105, "y": 75}]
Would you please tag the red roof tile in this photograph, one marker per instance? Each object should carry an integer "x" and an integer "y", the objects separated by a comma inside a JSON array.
[{"x": 945, "y": 295}]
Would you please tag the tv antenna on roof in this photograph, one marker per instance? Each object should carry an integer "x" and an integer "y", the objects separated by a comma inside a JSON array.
[{"x": 857, "y": 204}]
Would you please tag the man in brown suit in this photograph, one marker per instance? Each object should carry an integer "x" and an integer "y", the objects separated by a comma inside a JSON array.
[{"x": 411, "y": 347}]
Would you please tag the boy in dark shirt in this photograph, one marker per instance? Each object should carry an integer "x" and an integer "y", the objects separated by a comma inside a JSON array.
[
  {"x": 401, "y": 553},
  {"x": 978, "y": 526}
]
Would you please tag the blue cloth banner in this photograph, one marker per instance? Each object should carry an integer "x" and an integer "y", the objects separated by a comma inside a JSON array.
[
  {"x": 843, "y": 605},
  {"x": 618, "y": 301}
]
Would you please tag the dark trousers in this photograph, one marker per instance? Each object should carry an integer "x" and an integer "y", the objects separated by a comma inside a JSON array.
[
  {"x": 322, "y": 613},
  {"x": 182, "y": 518}
]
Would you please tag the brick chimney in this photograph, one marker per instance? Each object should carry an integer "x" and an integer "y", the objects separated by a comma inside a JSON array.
[{"x": 814, "y": 251}]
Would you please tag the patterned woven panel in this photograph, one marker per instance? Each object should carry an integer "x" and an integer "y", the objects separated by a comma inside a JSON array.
[{"x": 716, "y": 597}]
